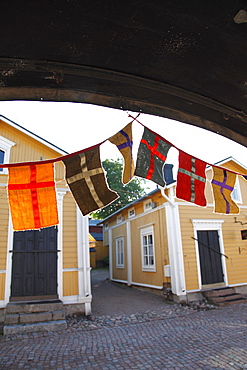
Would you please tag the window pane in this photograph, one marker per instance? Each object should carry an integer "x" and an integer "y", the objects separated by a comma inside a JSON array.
[
  {"x": 150, "y": 239},
  {"x": 145, "y": 261},
  {"x": 235, "y": 194},
  {"x": 1, "y": 158},
  {"x": 120, "y": 252},
  {"x": 151, "y": 252},
  {"x": 145, "y": 240},
  {"x": 151, "y": 260}
]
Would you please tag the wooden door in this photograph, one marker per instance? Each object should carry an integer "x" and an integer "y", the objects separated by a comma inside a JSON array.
[
  {"x": 34, "y": 266},
  {"x": 210, "y": 257}
]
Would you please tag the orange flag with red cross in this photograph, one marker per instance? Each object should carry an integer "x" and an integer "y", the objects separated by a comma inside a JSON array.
[{"x": 32, "y": 197}]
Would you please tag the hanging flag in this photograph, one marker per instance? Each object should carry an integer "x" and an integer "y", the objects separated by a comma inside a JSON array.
[
  {"x": 32, "y": 197},
  {"x": 191, "y": 179},
  {"x": 86, "y": 179},
  {"x": 123, "y": 141},
  {"x": 151, "y": 157},
  {"x": 223, "y": 183}
]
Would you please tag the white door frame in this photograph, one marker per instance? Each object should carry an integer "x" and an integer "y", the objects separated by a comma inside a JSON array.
[{"x": 207, "y": 225}]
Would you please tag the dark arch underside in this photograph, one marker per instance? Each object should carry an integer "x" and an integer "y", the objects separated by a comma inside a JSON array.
[{"x": 185, "y": 60}]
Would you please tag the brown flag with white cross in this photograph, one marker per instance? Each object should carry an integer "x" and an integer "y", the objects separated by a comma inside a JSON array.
[{"x": 86, "y": 179}]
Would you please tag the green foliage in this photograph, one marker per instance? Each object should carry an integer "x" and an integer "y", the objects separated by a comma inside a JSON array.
[
  {"x": 127, "y": 193},
  {"x": 105, "y": 261}
]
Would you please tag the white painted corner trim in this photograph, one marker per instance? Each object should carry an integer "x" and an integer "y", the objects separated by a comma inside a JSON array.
[{"x": 84, "y": 280}]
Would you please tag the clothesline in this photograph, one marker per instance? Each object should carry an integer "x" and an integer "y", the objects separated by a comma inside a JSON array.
[
  {"x": 61, "y": 158},
  {"x": 31, "y": 185},
  {"x": 174, "y": 146}
]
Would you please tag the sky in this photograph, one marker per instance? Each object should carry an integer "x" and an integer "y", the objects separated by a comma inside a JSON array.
[{"x": 76, "y": 126}]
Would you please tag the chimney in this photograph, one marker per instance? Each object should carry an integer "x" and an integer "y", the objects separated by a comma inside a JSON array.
[{"x": 168, "y": 174}]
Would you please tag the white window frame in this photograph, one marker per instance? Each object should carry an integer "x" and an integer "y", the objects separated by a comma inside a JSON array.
[
  {"x": 146, "y": 232},
  {"x": 147, "y": 205},
  {"x": 119, "y": 219},
  {"x": 5, "y": 146},
  {"x": 120, "y": 252},
  {"x": 131, "y": 212},
  {"x": 237, "y": 191}
]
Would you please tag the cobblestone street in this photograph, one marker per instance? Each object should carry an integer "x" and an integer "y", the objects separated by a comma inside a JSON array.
[{"x": 172, "y": 337}]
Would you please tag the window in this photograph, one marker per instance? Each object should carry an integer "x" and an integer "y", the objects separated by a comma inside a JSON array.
[
  {"x": 236, "y": 194},
  {"x": 147, "y": 205},
  {"x": 147, "y": 246},
  {"x": 132, "y": 212},
  {"x": 5, "y": 146},
  {"x": 106, "y": 226},
  {"x": 120, "y": 252},
  {"x": 119, "y": 219},
  {"x": 1, "y": 158}
]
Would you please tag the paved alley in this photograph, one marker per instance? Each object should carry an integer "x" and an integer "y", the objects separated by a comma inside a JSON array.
[{"x": 161, "y": 336}]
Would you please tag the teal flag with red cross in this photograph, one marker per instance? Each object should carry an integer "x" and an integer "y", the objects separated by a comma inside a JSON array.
[
  {"x": 191, "y": 179},
  {"x": 151, "y": 157}
]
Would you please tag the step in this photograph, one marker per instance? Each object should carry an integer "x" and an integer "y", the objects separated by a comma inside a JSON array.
[
  {"x": 232, "y": 301},
  {"x": 30, "y": 307},
  {"x": 218, "y": 292},
  {"x": 59, "y": 325},
  {"x": 226, "y": 298},
  {"x": 25, "y": 318}
]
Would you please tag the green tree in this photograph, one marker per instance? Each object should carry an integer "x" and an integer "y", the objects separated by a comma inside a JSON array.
[{"x": 127, "y": 193}]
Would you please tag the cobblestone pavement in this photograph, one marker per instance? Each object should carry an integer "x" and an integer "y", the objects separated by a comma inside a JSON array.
[{"x": 172, "y": 337}]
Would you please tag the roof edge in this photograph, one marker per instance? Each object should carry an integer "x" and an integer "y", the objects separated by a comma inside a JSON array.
[{"x": 33, "y": 135}]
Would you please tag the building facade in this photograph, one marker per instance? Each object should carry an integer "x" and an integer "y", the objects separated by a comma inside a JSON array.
[
  {"x": 162, "y": 242},
  {"x": 51, "y": 263}
]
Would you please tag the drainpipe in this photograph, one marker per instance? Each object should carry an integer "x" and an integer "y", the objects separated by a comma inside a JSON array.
[
  {"x": 110, "y": 252},
  {"x": 60, "y": 196},
  {"x": 175, "y": 246},
  {"x": 129, "y": 256},
  {"x": 84, "y": 279}
]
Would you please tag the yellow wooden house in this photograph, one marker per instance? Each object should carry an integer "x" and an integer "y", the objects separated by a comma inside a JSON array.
[
  {"x": 47, "y": 264},
  {"x": 160, "y": 241},
  {"x": 101, "y": 251}
]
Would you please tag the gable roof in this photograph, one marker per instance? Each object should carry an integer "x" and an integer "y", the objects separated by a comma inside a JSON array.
[
  {"x": 33, "y": 135},
  {"x": 93, "y": 222},
  {"x": 97, "y": 236},
  {"x": 228, "y": 159},
  {"x": 131, "y": 204}
]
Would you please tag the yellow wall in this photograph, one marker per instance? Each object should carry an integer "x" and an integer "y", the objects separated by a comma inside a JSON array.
[
  {"x": 4, "y": 217},
  {"x": 234, "y": 247},
  {"x": 29, "y": 149},
  {"x": 2, "y": 286},
  {"x": 119, "y": 273},
  {"x": 186, "y": 213},
  {"x": 70, "y": 283},
  {"x": 69, "y": 232},
  {"x": 101, "y": 250},
  {"x": 157, "y": 218}
]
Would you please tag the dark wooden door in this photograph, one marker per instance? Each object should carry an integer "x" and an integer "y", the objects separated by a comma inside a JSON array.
[
  {"x": 34, "y": 266},
  {"x": 210, "y": 257}
]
